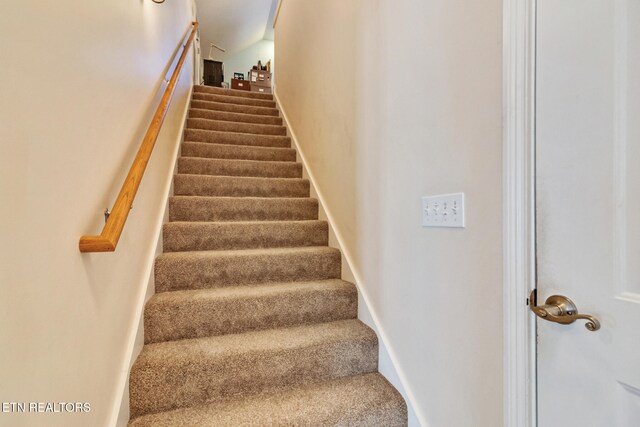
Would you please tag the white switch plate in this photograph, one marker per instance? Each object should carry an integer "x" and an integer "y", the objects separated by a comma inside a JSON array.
[{"x": 446, "y": 210}]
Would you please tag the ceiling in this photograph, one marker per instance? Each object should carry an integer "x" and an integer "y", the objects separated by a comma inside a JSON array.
[{"x": 234, "y": 24}]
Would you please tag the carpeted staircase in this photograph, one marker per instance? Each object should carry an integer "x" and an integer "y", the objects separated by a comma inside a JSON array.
[{"x": 250, "y": 324}]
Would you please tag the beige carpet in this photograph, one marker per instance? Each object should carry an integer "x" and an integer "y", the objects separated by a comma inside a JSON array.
[{"x": 251, "y": 324}]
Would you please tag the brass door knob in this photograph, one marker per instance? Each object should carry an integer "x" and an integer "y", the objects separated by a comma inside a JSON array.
[{"x": 560, "y": 309}]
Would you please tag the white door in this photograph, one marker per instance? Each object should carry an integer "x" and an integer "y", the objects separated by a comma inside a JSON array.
[{"x": 588, "y": 209}]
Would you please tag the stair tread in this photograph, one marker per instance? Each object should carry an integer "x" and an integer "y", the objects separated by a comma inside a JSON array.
[
  {"x": 248, "y": 252},
  {"x": 360, "y": 400},
  {"x": 237, "y": 146},
  {"x": 232, "y": 208},
  {"x": 239, "y": 167},
  {"x": 199, "y": 224},
  {"x": 274, "y": 199},
  {"x": 201, "y": 350},
  {"x": 207, "y": 312},
  {"x": 222, "y": 106},
  {"x": 230, "y": 99},
  {"x": 173, "y": 374},
  {"x": 239, "y": 186},
  {"x": 244, "y": 178},
  {"x": 245, "y": 291},
  {"x": 236, "y": 127},
  {"x": 231, "y": 116},
  {"x": 265, "y": 125},
  {"x": 232, "y": 92},
  {"x": 240, "y": 152},
  {"x": 241, "y": 161},
  {"x": 237, "y": 138},
  {"x": 238, "y": 267},
  {"x": 215, "y": 235}
]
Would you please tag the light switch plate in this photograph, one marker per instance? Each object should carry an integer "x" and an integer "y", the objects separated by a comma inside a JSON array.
[{"x": 446, "y": 210}]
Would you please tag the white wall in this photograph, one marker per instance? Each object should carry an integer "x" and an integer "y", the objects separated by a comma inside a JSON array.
[
  {"x": 79, "y": 83},
  {"x": 412, "y": 107},
  {"x": 242, "y": 61}
]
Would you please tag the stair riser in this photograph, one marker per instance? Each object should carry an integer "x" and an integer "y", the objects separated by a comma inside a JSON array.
[
  {"x": 236, "y": 127},
  {"x": 222, "y": 236},
  {"x": 221, "y": 151},
  {"x": 174, "y": 385},
  {"x": 249, "y": 168},
  {"x": 239, "y": 209},
  {"x": 232, "y": 138},
  {"x": 234, "y": 100},
  {"x": 219, "y": 271},
  {"x": 199, "y": 317},
  {"x": 234, "y": 117},
  {"x": 202, "y": 185},
  {"x": 245, "y": 109},
  {"x": 232, "y": 92}
]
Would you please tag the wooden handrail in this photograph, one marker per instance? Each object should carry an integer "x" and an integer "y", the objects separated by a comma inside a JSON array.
[{"x": 108, "y": 239}]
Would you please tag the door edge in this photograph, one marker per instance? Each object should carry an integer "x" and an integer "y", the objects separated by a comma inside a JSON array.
[{"x": 519, "y": 354}]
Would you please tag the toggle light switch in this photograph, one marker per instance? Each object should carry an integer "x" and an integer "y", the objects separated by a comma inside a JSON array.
[{"x": 446, "y": 210}]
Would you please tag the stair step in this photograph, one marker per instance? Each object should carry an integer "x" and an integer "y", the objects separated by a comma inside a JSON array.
[
  {"x": 232, "y": 92},
  {"x": 174, "y": 374},
  {"x": 233, "y": 100},
  {"x": 234, "y": 138},
  {"x": 197, "y": 208},
  {"x": 357, "y": 401},
  {"x": 250, "y": 323},
  {"x": 205, "y": 236},
  {"x": 237, "y": 127},
  {"x": 235, "y": 167},
  {"x": 227, "y": 186},
  {"x": 221, "y": 106},
  {"x": 227, "y": 151},
  {"x": 214, "y": 269},
  {"x": 171, "y": 316},
  {"x": 234, "y": 117}
]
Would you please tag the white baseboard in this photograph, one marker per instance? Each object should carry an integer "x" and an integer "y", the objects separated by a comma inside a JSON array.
[
  {"x": 388, "y": 363},
  {"x": 120, "y": 409}
]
